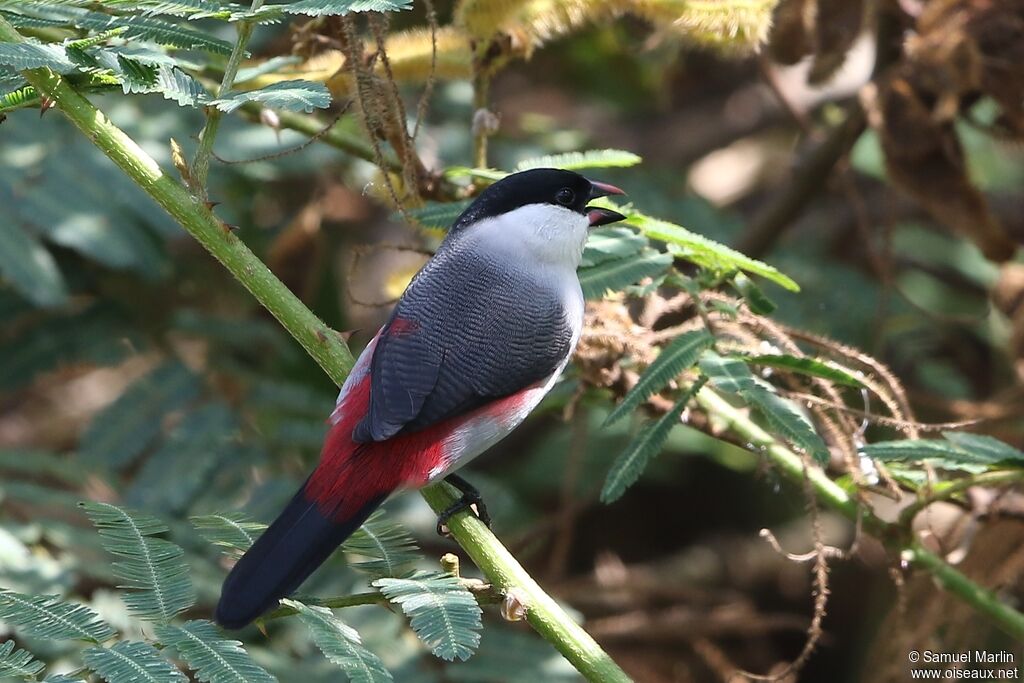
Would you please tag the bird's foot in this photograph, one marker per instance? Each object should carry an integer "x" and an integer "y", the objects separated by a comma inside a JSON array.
[{"x": 470, "y": 500}]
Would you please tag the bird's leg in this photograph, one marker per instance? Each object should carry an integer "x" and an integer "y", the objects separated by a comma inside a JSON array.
[{"x": 470, "y": 500}]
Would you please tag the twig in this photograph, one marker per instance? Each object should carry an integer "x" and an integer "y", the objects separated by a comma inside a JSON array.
[
  {"x": 290, "y": 150},
  {"x": 946, "y": 491},
  {"x": 200, "y": 166}
]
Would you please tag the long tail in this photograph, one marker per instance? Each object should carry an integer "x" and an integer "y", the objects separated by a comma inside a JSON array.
[{"x": 291, "y": 549}]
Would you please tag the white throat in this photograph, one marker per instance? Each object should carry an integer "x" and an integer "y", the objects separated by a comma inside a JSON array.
[{"x": 542, "y": 233}]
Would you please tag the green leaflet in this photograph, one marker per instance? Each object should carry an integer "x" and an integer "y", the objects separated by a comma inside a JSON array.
[
  {"x": 958, "y": 451},
  {"x": 29, "y": 267},
  {"x": 153, "y": 569},
  {"x": 612, "y": 276},
  {"x": 732, "y": 375},
  {"x": 437, "y": 215},
  {"x": 131, "y": 662},
  {"x": 48, "y": 616},
  {"x": 728, "y": 373},
  {"x": 230, "y": 531},
  {"x": 341, "y": 644},
  {"x": 321, "y": 8},
  {"x": 388, "y": 547},
  {"x": 32, "y": 54},
  {"x": 575, "y": 161},
  {"x": 631, "y": 463},
  {"x": 803, "y": 365},
  {"x": 126, "y": 427},
  {"x": 18, "y": 663},
  {"x": 295, "y": 95},
  {"x": 786, "y": 419},
  {"x": 705, "y": 252},
  {"x": 213, "y": 658},
  {"x": 985, "y": 447},
  {"x": 757, "y": 301},
  {"x": 681, "y": 353},
  {"x": 444, "y": 615},
  {"x": 610, "y": 243}
]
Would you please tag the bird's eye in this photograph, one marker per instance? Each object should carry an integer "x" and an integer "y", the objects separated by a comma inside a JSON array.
[{"x": 565, "y": 196}]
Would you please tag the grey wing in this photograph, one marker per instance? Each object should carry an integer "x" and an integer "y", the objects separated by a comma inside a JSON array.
[{"x": 465, "y": 333}]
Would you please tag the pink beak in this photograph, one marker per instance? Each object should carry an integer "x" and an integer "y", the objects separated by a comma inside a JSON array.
[{"x": 598, "y": 216}]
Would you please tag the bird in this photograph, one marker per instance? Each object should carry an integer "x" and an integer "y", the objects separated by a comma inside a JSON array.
[{"x": 480, "y": 335}]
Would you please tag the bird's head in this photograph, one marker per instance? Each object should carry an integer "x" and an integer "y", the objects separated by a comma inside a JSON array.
[
  {"x": 543, "y": 188},
  {"x": 544, "y": 210}
]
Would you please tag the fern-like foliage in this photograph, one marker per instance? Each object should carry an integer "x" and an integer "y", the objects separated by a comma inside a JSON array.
[
  {"x": 212, "y": 657},
  {"x": 733, "y": 375},
  {"x": 34, "y": 55},
  {"x": 128, "y": 425},
  {"x": 47, "y": 616},
  {"x": 17, "y": 663},
  {"x": 681, "y": 353},
  {"x": 613, "y": 276},
  {"x": 152, "y": 568},
  {"x": 704, "y": 252},
  {"x": 131, "y": 662},
  {"x": 438, "y": 216},
  {"x": 341, "y": 644},
  {"x": 789, "y": 421},
  {"x": 611, "y": 244},
  {"x": 231, "y": 531},
  {"x": 387, "y": 546},
  {"x": 148, "y": 28},
  {"x": 810, "y": 367},
  {"x": 957, "y": 451},
  {"x": 295, "y": 95},
  {"x": 444, "y": 615},
  {"x": 322, "y": 8},
  {"x": 578, "y": 161},
  {"x": 631, "y": 463}
]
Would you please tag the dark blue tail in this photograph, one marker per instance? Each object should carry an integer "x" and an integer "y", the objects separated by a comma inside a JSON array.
[{"x": 291, "y": 549}]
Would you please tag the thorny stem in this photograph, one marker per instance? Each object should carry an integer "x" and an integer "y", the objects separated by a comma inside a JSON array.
[
  {"x": 201, "y": 161},
  {"x": 327, "y": 348}
]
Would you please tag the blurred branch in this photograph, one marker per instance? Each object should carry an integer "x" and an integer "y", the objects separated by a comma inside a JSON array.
[{"x": 789, "y": 203}]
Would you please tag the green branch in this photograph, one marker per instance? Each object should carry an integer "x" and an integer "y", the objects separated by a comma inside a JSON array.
[
  {"x": 511, "y": 579},
  {"x": 981, "y": 599},
  {"x": 201, "y": 161},
  {"x": 836, "y": 497}
]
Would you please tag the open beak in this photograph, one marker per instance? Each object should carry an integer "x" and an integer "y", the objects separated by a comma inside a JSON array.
[{"x": 597, "y": 215}]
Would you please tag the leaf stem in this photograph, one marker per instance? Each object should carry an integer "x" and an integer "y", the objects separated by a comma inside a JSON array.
[{"x": 201, "y": 161}]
